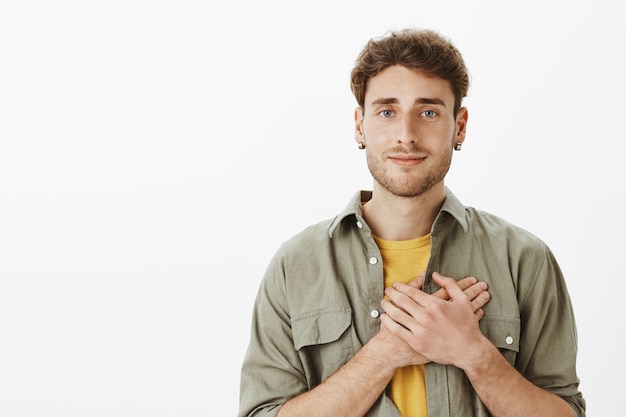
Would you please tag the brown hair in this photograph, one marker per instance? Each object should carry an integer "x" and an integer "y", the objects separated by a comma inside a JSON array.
[{"x": 419, "y": 49}]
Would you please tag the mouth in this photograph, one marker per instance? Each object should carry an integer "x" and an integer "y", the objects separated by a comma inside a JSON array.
[{"x": 407, "y": 160}]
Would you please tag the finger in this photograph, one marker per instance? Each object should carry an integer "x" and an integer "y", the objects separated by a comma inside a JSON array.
[
  {"x": 450, "y": 285},
  {"x": 418, "y": 281},
  {"x": 441, "y": 293},
  {"x": 464, "y": 283},
  {"x": 407, "y": 297},
  {"x": 475, "y": 290},
  {"x": 394, "y": 327},
  {"x": 395, "y": 313},
  {"x": 480, "y": 300}
]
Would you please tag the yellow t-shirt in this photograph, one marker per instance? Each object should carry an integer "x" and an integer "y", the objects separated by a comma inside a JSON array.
[{"x": 402, "y": 261}]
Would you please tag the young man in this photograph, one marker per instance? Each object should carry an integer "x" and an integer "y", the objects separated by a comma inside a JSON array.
[{"x": 341, "y": 325}]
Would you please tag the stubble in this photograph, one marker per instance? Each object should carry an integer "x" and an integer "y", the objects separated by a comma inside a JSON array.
[{"x": 411, "y": 181}]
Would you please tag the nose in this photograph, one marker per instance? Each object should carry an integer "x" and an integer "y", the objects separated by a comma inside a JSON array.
[{"x": 407, "y": 130}]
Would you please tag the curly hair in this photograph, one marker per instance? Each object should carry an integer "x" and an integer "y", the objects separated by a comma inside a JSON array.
[{"x": 423, "y": 50}]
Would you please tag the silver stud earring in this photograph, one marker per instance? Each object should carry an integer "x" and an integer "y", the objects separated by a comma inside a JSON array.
[
  {"x": 457, "y": 147},
  {"x": 360, "y": 145}
]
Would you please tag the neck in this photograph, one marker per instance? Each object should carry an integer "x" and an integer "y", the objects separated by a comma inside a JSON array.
[{"x": 402, "y": 218}]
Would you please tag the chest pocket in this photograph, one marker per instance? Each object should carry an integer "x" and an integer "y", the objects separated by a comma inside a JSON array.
[
  {"x": 504, "y": 333},
  {"x": 324, "y": 342}
]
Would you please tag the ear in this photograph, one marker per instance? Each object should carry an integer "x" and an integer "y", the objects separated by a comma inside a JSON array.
[
  {"x": 358, "y": 125},
  {"x": 461, "y": 125}
]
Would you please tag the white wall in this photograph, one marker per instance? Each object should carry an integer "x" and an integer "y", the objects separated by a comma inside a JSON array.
[{"x": 153, "y": 155}]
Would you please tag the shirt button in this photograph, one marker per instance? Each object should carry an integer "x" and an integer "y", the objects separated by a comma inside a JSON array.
[
  {"x": 359, "y": 224},
  {"x": 509, "y": 340},
  {"x": 374, "y": 313},
  {"x": 373, "y": 260}
]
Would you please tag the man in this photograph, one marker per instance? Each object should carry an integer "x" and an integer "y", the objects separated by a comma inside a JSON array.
[{"x": 341, "y": 328}]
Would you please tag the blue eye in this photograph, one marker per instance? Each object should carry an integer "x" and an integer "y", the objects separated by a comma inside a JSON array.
[
  {"x": 386, "y": 113},
  {"x": 429, "y": 113}
]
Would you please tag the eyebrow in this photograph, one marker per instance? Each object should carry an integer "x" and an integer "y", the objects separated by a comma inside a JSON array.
[{"x": 423, "y": 100}]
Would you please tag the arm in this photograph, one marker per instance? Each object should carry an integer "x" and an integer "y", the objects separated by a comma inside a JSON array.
[
  {"x": 505, "y": 391},
  {"x": 448, "y": 333},
  {"x": 354, "y": 388}
]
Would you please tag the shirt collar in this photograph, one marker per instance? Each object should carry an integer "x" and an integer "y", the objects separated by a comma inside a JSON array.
[
  {"x": 451, "y": 205},
  {"x": 455, "y": 208}
]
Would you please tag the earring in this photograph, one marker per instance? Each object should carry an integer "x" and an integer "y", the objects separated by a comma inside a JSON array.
[
  {"x": 457, "y": 147},
  {"x": 360, "y": 145}
]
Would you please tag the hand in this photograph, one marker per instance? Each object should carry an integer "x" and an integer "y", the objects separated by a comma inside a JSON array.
[
  {"x": 474, "y": 290},
  {"x": 399, "y": 353},
  {"x": 442, "y": 327}
]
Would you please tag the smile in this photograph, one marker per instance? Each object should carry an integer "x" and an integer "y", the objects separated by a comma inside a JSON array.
[{"x": 406, "y": 160}]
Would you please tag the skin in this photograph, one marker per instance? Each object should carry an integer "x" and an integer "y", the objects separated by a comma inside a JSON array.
[
  {"x": 449, "y": 334},
  {"x": 409, "y": 129},
  {"x": 409, "y": 134},
  {"x": 373, "y": 366}
]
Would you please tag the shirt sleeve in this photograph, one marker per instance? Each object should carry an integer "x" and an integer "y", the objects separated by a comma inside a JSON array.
[
  {"x": 548, "y": 348},
  {"x": 272, "y": 372}
]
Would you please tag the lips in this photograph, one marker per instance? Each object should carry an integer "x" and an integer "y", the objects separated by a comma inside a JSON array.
[{"x": 407, "y": 159}]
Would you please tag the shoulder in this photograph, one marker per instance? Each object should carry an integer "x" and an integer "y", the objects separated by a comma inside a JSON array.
[
  {"x": 321, "y": 234},
  {"x": 305, "y": 250},
  {"x": 487, "y": 225},
  {"x": 310, "y": 237},
  {"x": 481, "y": 226}
]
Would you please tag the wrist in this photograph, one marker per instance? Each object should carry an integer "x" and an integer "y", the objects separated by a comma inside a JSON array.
[
  {"x": 382, "y": 350},
  {"x": 480, "y": 358}
]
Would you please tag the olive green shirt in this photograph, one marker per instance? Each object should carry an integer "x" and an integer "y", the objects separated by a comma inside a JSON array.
[{"x": 319, "y": 303}]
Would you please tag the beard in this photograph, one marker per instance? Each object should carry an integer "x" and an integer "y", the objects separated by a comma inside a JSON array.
[{"x": 411, "y": 181}]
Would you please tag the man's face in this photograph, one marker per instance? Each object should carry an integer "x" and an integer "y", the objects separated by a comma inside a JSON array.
[{"x": 409, "y": 129}]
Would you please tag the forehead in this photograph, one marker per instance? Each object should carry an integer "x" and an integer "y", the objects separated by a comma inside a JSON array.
[{"x": 407, "y": 85}]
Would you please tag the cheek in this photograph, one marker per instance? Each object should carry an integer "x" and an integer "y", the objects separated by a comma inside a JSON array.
[
  {"x": 376, "y": 133},
  {"x": 375, "y": 142}
]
